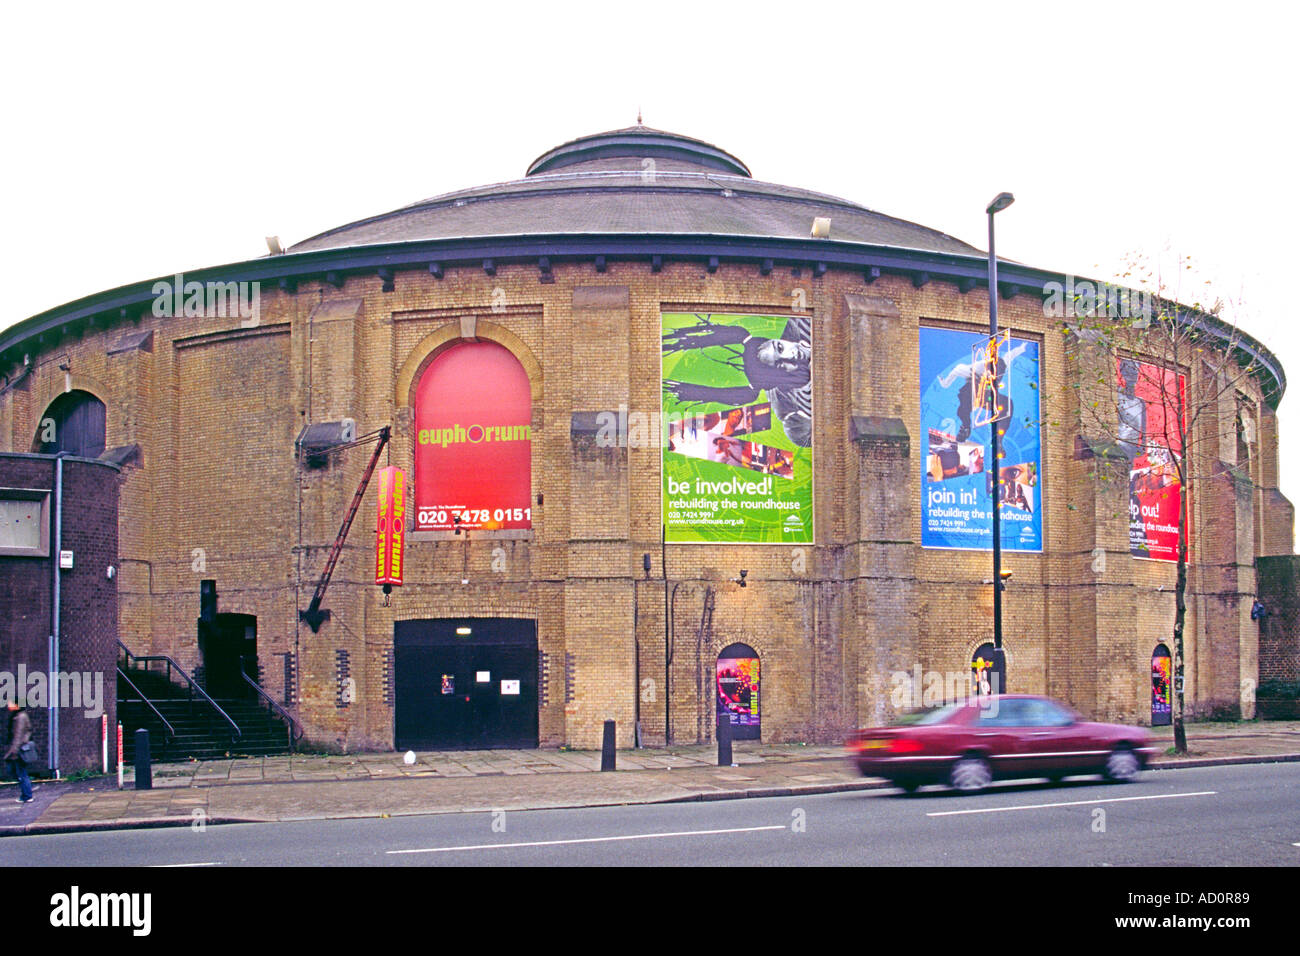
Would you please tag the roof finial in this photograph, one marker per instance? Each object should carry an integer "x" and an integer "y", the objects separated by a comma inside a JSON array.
[{"x": 638, "y": 116}]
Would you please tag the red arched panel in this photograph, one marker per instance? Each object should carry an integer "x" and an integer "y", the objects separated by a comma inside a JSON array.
[{"x": 473, "y": 441}]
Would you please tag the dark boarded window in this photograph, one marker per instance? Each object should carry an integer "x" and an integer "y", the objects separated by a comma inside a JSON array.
[{"x": 73, "y": 423}]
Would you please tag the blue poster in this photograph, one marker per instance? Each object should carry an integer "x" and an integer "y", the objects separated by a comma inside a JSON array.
[{"x": 956, "y": 480}]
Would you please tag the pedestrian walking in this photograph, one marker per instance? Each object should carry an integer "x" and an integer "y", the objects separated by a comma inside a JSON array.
[{"x": 20, "y": 733}]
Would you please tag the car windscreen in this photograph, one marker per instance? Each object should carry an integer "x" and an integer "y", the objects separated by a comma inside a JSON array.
[{"x": 939, "y": 715}]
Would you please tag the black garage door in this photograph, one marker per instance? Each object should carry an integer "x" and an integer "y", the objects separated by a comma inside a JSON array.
[{"x": 465, "y": 683}]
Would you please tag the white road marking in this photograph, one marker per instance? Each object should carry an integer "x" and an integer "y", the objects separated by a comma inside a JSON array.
[
  {"x": 636, "y": 836},
  {"x": 1073, "y": 803},
  {"x": 168, "y": 866}
]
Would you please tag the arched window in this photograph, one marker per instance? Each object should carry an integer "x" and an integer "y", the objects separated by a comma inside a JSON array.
[
  {"x": 473, "y": 441},
  {"x": 73, "y": 423}
]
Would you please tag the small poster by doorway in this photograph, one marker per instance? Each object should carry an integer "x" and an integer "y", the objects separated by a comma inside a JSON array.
[
  {"x": 1162, "y": 704},
  {"x": 739, "y": 691}
]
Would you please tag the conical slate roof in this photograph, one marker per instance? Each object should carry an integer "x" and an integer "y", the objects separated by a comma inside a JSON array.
[
  {"x": 634, "y": 194},
  {"x": 629, "y": 181}
]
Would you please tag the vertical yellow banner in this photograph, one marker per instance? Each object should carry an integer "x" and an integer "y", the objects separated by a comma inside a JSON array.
[
  {"x": 397, "y": 526},
  {"x": 383, "y": 538}
]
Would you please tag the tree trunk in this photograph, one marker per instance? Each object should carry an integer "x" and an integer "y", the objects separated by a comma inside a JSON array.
[{"x": 1180, "y": 614}]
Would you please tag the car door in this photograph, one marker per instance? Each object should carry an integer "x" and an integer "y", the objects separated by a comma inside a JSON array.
[
  {"x": 1054, "y": 742},
  {"x": 1001, "y": 731}
]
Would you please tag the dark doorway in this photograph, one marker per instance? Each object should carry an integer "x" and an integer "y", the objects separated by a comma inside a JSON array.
[
  {"x": 229, "y": 648},
  {"x": 982, "y": 668},
  {"x": 465, "y": 684},
  {"x": 738, "y": 691}
]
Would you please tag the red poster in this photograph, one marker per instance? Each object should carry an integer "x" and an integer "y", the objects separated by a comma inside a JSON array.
[
  {"x": 473, "y": 431},
  {"x": 390, "y": 527},
  {"x": 1151, "y": 409}
]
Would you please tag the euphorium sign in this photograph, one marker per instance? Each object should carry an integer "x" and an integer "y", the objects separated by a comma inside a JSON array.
[
  {"x": 473, "y": 441},
  {"x": 391, "y": 526}
]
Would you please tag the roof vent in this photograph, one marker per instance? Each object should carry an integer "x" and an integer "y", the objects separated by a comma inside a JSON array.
[{"x": 821, "y": 228}]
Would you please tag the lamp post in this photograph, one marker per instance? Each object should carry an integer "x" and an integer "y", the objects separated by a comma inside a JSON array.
[{"x": 999, "y": 675}]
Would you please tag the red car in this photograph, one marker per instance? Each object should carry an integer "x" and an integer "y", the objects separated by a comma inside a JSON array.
[{"x": 970, "y": 744}]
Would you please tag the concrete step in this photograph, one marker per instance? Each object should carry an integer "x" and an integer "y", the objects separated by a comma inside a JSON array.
[{"x": 200, "y": 732}]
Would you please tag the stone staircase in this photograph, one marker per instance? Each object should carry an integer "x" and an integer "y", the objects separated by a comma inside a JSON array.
[{"x": 193, "y": 728}]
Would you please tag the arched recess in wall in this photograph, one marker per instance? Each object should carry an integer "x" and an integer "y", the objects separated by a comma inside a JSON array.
[
  {"x": 739, "y": 690},
  {"x": 467, "y": 331},
  {"x": 453, "y": 333},
  {"x": 472, "y": 425},
  {"x": 73, "y": 423},
  {"x": 981, "y": 668},
  {"x": 1162, "y": 669}
]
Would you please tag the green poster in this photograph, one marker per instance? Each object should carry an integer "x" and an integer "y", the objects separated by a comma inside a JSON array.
[{"x": 737, "y": 428}]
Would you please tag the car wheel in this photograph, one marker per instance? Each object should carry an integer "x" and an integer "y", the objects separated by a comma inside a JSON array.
[
  {"x": 907, "y": 785},
  {"x": 970, "y": 774},
  {"x": 1122, "y": 765}
]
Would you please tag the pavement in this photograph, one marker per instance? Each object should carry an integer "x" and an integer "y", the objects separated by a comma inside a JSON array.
[{"x": 369, "y": 785}]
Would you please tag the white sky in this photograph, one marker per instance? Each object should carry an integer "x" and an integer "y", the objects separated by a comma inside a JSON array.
[{"x": 143, "y": 139}]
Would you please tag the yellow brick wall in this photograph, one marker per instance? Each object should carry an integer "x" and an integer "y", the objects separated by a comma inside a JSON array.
[{"x": 217, "y": 408}]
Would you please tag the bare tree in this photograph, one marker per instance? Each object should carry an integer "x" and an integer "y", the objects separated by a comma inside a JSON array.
[{"x": 1153, "y": 376}]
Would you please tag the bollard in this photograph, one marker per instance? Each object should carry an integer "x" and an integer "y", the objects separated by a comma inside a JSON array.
[
  {"x": 724, "y": 739},
  {"x": 607, "y": 748},
  {"x": 143, "y": 769}
]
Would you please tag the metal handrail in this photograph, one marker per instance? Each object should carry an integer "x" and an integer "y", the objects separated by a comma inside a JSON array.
[
  {"x": 171, "y": 731},
  {"x": 295, "y": 728},
  {"x": 192, "y": 684}
]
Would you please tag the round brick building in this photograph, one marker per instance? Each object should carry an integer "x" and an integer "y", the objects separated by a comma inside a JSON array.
[{"x": 671, "y": 440}]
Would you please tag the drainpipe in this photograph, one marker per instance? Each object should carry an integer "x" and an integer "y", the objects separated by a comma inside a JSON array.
[
  {"x": 636, "y": 649},
  {"x": 56, "y": 547},
  {"x": 668, "y": 656},
  {"x": 636, "y": 668}
]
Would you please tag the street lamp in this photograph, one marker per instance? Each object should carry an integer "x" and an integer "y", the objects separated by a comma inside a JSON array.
[{"x": 1000, "y": 202}]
